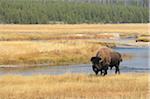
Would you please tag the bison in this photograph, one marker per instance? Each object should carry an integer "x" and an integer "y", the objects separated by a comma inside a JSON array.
[{"x": 105, "y": 58}]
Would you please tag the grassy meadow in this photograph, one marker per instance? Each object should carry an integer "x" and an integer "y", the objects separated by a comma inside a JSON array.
[
  {"x": 46, "y": 52},
  {"x": 75, "y": 28},
  {"x": 26, "y": 45},
  {"x": 75, "y": 86},
  {"x": 69, "y": 32},
  {"x": 58, "y": 44}
]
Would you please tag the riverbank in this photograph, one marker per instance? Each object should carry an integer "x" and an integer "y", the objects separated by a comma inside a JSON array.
[
  {"x": 130, "y": 86},
  {"x": 61, "y": 52},
  {"x": 48, "y": 53},
  {"x": 33, "y": 45}
]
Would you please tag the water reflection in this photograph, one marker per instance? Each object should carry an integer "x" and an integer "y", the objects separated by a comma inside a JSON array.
[{"x": 140, "y": 59}]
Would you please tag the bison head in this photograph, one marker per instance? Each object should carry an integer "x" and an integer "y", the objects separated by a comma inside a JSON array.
[{"x": 96, "y": 61}]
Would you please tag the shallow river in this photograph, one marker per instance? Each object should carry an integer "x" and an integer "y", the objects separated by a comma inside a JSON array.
[{"x": 139, "y": 63}]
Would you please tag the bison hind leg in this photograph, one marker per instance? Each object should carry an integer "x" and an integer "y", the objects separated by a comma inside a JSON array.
[
  {"x": 102, "y": 72},
  {"x": 117, "y": 70},
  {"x": 96, "y": 72},
  {"x": 105, "y": 73}
]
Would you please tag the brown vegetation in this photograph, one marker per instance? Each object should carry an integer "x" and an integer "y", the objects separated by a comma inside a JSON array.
[
  {"x": 143, "y": 38},
  {"x": 75, "y": 86}
]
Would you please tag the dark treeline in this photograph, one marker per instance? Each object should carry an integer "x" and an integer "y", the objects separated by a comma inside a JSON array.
[
  {"x": 62, "y": 11},
  {"x": 143, "y": 3}
]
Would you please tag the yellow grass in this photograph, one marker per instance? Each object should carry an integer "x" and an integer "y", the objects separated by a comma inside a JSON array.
[
  {"x": 44, "y": 32},
  {"x": 47, "y": 52},
  {"x": 61, "y": 28},
  {"x": 55, "y": 52},
  {"x": 75, "y": 86}
]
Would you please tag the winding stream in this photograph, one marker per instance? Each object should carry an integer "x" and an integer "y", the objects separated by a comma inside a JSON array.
[{"x": 139, "y": 63}]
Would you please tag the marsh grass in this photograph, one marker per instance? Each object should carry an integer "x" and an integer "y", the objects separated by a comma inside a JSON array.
[
  {"x": 54, "y": 36},
  {"x": 51, "y": 52},
  {"x": 75, "y": 86},
  {"x": 143, "y": 39}
]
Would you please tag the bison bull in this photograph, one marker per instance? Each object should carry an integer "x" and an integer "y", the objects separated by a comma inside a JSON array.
[{"x": 105, "y": 58}]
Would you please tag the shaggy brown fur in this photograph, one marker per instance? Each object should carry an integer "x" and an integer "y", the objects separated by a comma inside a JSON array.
[
  {"x": 105, "y": 54},
  {"x": 115, "y": 61}
]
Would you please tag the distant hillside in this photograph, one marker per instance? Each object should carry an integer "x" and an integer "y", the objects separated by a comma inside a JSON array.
[{"x": 73, "y": 11}]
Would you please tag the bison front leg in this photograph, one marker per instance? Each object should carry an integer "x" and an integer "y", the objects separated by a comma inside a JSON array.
[
  {"x": 105, "y": 70},
  {"x": 95, "y": 70},
  {"x": 102, "y": 72},
  {"x": 105, "y": 73}
]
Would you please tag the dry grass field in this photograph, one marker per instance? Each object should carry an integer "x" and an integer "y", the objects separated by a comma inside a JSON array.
[
  {"x": 46, "y": 32},
  {"x": 57, "y": 44},
  {"x": 75, "y": 86},
  {"x": 78, "y": 28},
  {"x": 50, "y": 52}
]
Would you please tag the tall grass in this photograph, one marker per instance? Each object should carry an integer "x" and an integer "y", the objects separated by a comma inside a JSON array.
[
  {"x": 75, "y": 86},
  {"x": 50, "y": 52}
]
